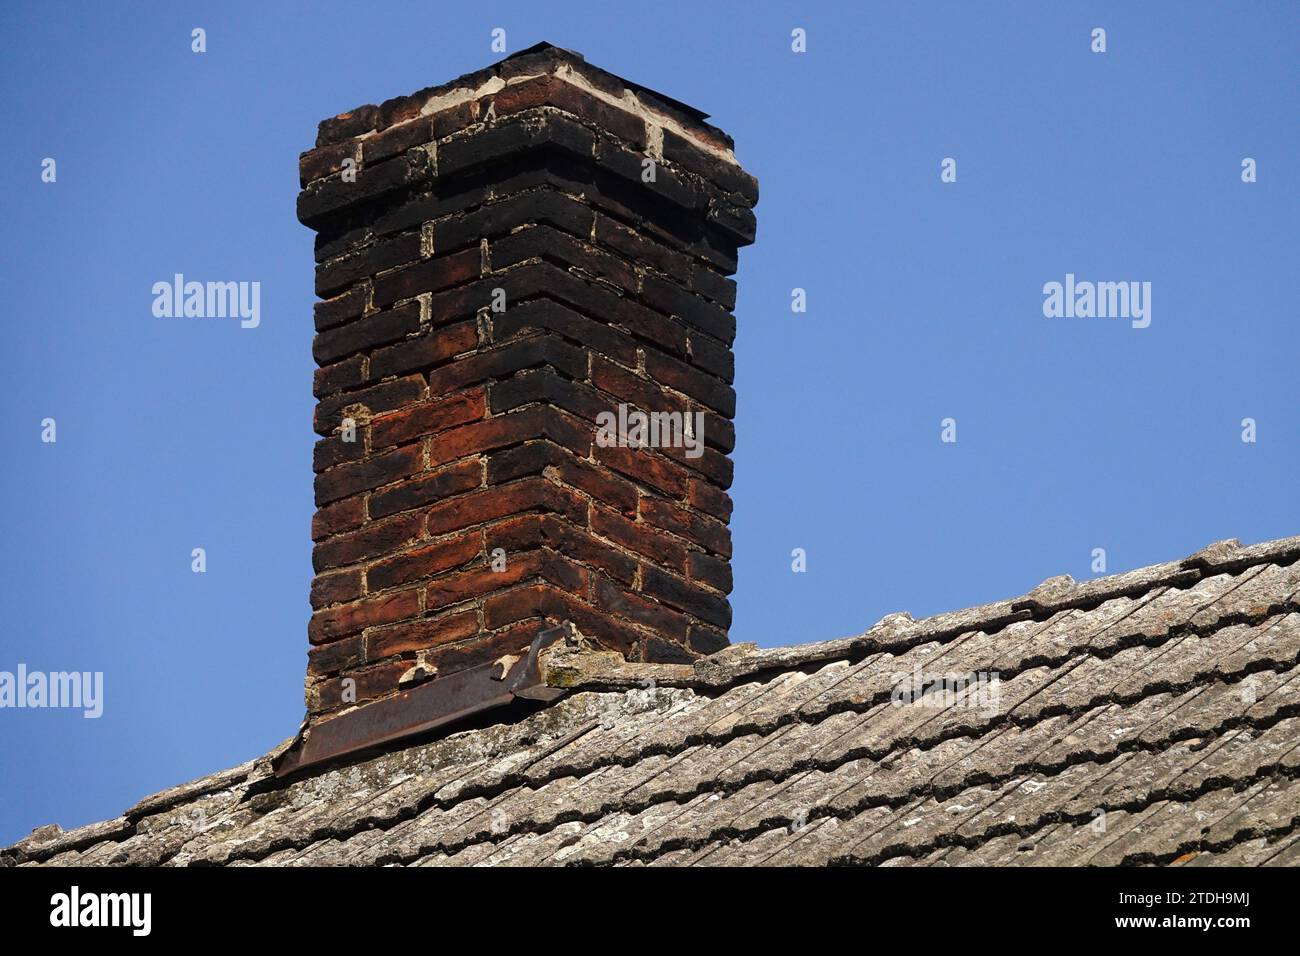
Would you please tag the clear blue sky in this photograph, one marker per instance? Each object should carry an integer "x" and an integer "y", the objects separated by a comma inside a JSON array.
[{"x": 924, "y": 302}]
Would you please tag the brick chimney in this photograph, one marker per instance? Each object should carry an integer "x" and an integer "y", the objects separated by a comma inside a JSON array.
[{"x": 506, "y": 264}]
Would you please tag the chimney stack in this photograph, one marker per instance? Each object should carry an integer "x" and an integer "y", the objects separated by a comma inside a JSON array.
[{"x": 512, "y": 267}]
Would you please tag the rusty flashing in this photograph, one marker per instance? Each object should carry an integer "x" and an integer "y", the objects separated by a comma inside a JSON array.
[{"x": 434, "y": 704}]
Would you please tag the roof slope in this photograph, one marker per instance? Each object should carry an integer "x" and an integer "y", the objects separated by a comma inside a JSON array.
[{"x": 1149, "y": 717}]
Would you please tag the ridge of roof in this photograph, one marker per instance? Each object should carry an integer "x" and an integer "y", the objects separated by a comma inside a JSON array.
[
  {"x": 603, "y": 691},
  {"x": 580, "y": 669}
]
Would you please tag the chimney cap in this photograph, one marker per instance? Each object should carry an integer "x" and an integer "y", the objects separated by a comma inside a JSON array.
[
  {"x": 562, "y": 53},
  {"x": 367, "y": 119}
]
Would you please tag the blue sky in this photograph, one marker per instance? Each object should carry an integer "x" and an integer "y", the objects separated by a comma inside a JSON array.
[{"x": 925, "y": 302}]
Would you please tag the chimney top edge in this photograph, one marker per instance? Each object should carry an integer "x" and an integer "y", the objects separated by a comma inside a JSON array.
[{"x": 538, "y": 60}]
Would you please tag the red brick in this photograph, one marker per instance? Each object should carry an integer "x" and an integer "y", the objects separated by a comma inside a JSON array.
[
  {"x": 349, "y": 373},
  {"x": 709, "y": 498},
  {"x": 706, "y": 388},
  {"x": 427, "y": 418},
  {"x": 645, "y": 466},
  {"x": 520, "y": 567},
  {"x": 619, "y": 600},
  {"x": 369, "y": 683},
  {"x": 533, "y": 531},
  {"x": 366, "y": 333},
  {"x": 335, "y": 588},
  {"x": 683, "y": 595},
  {"x": 338, "y": 517},
  {"x": 489, "y": 504},
  {"x": 371, "y": 401},
  {"x": 420, "y": 634},
  {"x": 347, "y": 619},
  {"x": 433, "y": 347},
  {"x": 707, "y": 569},
  {"x": 704, "y": 531},
  {"x": 428, "y": 488},
  {"x": 508, "y": 359},
  {"x": 431, "y": 275},
  {"x": 533, "y": 600},
  {"x": 369, "y": 473},
  {"x": 639, "y": 537},
  {"x": 326, "y": 659},
  {"x": 511, "y": 429},
  {"x": 341, "y": 308},
  {"x": 380, "y": 537},
  {"x": 423, "y": 562}
]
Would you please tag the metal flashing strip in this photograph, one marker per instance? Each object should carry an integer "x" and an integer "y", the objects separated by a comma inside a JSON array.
[{"x": 423, "y": 708}]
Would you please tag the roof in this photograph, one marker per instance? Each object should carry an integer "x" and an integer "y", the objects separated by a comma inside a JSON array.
[{"x": 1147, "y": 717}]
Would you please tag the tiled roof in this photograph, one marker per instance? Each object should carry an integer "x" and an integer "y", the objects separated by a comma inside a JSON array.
[{"x": 1149, "y": 717}]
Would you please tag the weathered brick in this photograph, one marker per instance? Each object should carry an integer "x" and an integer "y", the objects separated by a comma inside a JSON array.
[
  {"x": 639, "y": 248},
  {"x": 542, "y": 564},
  {"x": 617, "y": 599},
  {"x": 500, "y": 431},
  {"x": 395, "y": 140},
  {"x": 639, "y": 537},
  {"x": 699, "y": 385},
  {"x": 489, "y": 504},
  {"x": 428, "y": 488},
  {"x": 529, "y": 130},
  {"x": 656, "y": 650},
  {"x": 680, "y": 594},
  {"x": 433, "y": 347},
  {"x": 421, "y": 634},
  {"x": 485, "y": 647},
  {"x": 341, "y": 271},
  {"x": 346, "y": 125},
  {"x": 326, "y": 659},
  {"x": 544, "y": 530},
  {"x": 600, "y": 484},
  {"x": 669, "y": 185},
  {"x": 507, "y": 359},
  {"x": 338, "y": 517},
  {"x": 704, "y": 531},
  {"x": 350, "y": 305},
  {"x": 333, "y": 450},
  {"x": 423, "y": 562},
  {"x": 367, "y": 402},
  {"x": 709, "y": 498},
  {"x": 544, "y": 242},
  {"x": 552, "y": 91},
  {"x": 549, "y": 315},
  {"x": 648, "y": 395},
  {"x": 710, "y": 570},
  {"x": 431, "y": 275},
  {"x": 368, "y": 683},
  {"x": 672, "y": 299},
  {"x": 376, "y": 538},
  {"x": 502, "y": 216},
  {"x": 427, "y": 418},
  {"x": 706, "y": 640},
  {"x": 543, "y": 385},
  {"x": 325, "y": 161},
  {"x": 349, "y": 373},
  {"x": 721, "y": 289},
  {"x": 335, "y": 588},
  {"x": 645, "y": 466},
  {"x": 331, "y": 197},
  {"x": 348, "y": 479},
  {"x": 346, "y": 619},
  {"x": 366, "y": 333},
  {"x": 712, "y": 356},
  {"x": 531, "y": 600},
  {"x": 731, "y": 178}
]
